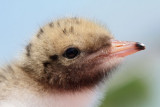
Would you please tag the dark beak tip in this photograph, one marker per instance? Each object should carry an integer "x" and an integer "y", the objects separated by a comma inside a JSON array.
[{"x": 140, "y": 46}]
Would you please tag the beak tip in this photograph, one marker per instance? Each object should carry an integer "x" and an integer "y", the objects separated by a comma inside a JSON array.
[{"x": 140, "y": 46}]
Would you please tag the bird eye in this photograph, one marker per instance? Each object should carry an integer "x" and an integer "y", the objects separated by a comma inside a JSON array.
[{"x": 71, "y": 53}]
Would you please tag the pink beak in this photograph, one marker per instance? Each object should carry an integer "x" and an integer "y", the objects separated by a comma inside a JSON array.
[{"x": 125, "y": 48}]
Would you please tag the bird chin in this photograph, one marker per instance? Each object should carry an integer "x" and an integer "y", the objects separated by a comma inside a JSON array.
[
  {"x": 112, "y": 63},
  {"x": 108, "y": 64}
]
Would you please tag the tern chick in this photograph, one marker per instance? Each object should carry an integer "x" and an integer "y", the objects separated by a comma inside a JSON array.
[{"x": 64, "y": 65}]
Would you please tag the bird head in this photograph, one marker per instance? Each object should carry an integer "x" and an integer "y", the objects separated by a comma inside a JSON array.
[{"x": 73, "y": 54}]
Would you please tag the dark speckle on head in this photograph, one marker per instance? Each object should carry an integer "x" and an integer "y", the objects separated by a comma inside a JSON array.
[
  {"x": 51, "y": 24},
  {"x": 28, "y": 49},
  {"x": 40, "y": 32},
  {"x": 53, "y": 57},
  {"x": 45, "y": 64},
  {"x": 76, "y": 20},
  {"x": 71, "y": 29},
  {"x": 64, "y": 31}
]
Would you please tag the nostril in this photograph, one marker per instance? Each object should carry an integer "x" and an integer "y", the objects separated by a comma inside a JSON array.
[{"x": 140, "y": 46}]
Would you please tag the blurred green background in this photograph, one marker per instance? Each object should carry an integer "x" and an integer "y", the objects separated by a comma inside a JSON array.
[{"x": 136, "y": 82}]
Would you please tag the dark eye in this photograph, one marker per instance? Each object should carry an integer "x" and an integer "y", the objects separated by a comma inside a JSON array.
[{"x": 71, "y": 53}]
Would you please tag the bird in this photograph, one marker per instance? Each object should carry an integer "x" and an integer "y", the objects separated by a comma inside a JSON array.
[{"x": 65, "y": 64}]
